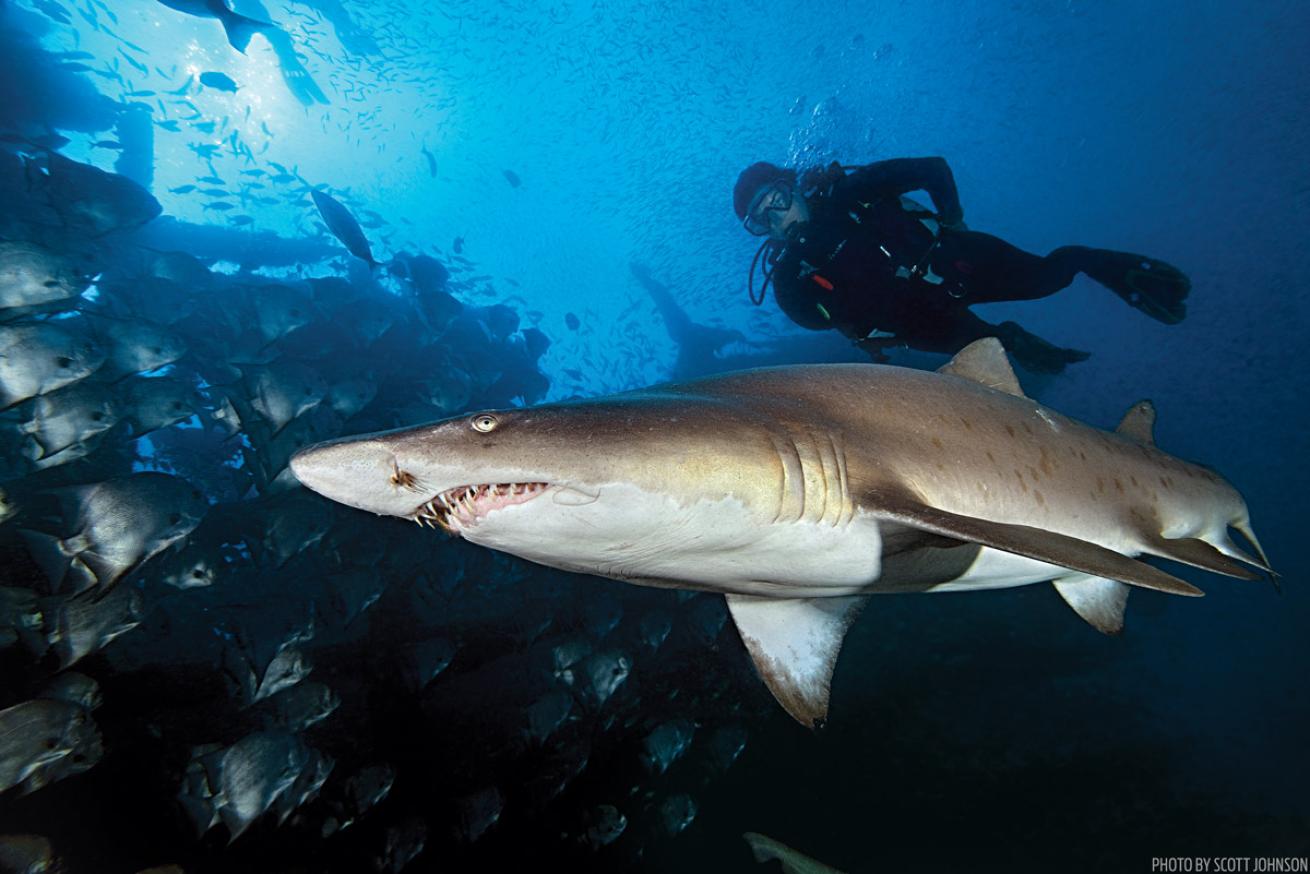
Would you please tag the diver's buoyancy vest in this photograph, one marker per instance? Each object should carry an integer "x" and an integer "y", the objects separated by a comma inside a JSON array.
[{"x": 851, "y": 265}]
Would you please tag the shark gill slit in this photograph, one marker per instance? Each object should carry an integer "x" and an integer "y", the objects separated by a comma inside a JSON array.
[
  {"x": 783, "y": 479},
  {"x": 845, "y": 508},
  {"x": 808, "y": 455},
  {"x": 793, "y": 476},
  {"x": 828, "y": 468}
]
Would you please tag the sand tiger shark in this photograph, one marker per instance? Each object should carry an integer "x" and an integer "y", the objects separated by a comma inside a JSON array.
[{"x": 799, "y": 491}]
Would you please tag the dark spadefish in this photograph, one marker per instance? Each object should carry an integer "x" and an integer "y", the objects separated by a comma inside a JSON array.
[{"x": 343, "y": 226}]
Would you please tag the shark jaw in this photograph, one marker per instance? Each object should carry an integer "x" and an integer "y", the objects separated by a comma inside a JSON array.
[{"x": 461, "y": 508}]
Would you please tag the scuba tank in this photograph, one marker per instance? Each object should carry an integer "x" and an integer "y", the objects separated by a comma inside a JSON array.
[{"x": 912, "y": 265}]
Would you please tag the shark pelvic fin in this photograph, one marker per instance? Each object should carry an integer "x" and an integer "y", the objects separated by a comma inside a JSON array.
[
  {"x": 1035, "y": 543},
  {"x": 1098, "y": 600},
  {"x": 794, "y": 643},
  {"x": 984, "y": 361},
  {"x": 1139, "y": 423}
]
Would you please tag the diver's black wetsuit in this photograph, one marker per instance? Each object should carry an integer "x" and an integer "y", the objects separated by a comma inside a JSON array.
[{"x": 870, "y": 260}]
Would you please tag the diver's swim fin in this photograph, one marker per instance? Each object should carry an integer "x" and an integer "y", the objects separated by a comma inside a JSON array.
[
  {"x": 1154, "y": 287},
  {"x": 1034, "y": 353},
  {"x": 240, "y": 29}
]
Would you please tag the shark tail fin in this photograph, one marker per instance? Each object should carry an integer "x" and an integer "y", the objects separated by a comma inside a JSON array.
[
  {"x": 240, "y": 29},
  {"x": 794, "y": 644},
  {"x": 1098, "y": 600}
]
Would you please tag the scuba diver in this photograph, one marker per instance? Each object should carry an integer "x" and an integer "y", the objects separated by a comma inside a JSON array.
[{"x": 848, "y": 250}]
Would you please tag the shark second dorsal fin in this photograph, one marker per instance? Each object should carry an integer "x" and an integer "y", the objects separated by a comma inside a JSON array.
[
  {"x": 1139, "y": 423},
  {"x": 984, "y": 362},
  {"x": 794, "y": 643}
]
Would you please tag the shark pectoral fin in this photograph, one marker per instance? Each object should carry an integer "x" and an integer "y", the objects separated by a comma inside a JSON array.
[
  {"x": 1139, "y": 423},
  {"x": 984, "y": 361},
  {"x": 1035, "y": 543},
  {"x": 794, "y": 643},
  {"x": 1098, "y": 600},
  {"x": 1198, "y": 553}
]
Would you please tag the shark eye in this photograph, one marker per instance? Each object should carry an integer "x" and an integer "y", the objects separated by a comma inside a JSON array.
[{"x": 485, "y": 422}]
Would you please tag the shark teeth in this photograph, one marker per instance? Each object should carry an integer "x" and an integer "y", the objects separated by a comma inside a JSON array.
[{"x": 462, "y": 506}]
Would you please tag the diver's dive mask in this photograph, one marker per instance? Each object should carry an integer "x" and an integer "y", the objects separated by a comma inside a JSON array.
[{"x": 773, "y": 198}]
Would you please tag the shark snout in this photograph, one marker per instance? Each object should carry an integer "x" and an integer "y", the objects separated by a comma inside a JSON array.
[{"x": 358, "y": 473}]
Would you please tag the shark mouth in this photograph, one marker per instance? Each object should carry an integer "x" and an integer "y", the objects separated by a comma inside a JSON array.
[{"x": 464, "y": 506}]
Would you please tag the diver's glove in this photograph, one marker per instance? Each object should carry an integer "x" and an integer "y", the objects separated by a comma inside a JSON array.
[
  {"x": 953, "y": 221},
  {"x": 876, "y": 346}
]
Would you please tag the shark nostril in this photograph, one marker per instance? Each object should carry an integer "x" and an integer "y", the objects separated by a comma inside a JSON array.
[{"x": 402, "y": 478}]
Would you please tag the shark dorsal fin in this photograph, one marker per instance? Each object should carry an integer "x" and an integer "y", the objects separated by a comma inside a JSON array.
[
  {"x": 1139, "y": 423},
  {"x": 983, "y": 361},
  {"x": 794, "y": 644}
]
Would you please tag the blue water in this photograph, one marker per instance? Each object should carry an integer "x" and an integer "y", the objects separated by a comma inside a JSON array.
[{"x": 981, "y": 732}]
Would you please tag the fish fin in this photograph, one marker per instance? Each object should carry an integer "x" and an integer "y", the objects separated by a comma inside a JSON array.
[
  {"x": 1098, "y": 600},
  {"x": 794, "y": 643},
  {"x": 48, "y": 553},
  {"x": 984, "y": 362},
  {"x": 1198, "y": 553},
  {"x": 31, "y": 448},
  {"x": 1139, "y": 423},
  {"x": 104, "y": 570},
  {"x": 236, "y": 824},
  {"x": 240, "y": 29},
  {"x": 766, "y": 849},
  {"x": 1035, "y": 543}
]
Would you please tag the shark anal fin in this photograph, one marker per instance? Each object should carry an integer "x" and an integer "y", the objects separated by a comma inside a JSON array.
[
  {"x": 1098, "y": 600},
  {"x": 984, "y": 362},
  {"x": 1035, "y": 543},
  {"x": 794, "y": 643},
  {"x": 1139, "y": 423}
]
